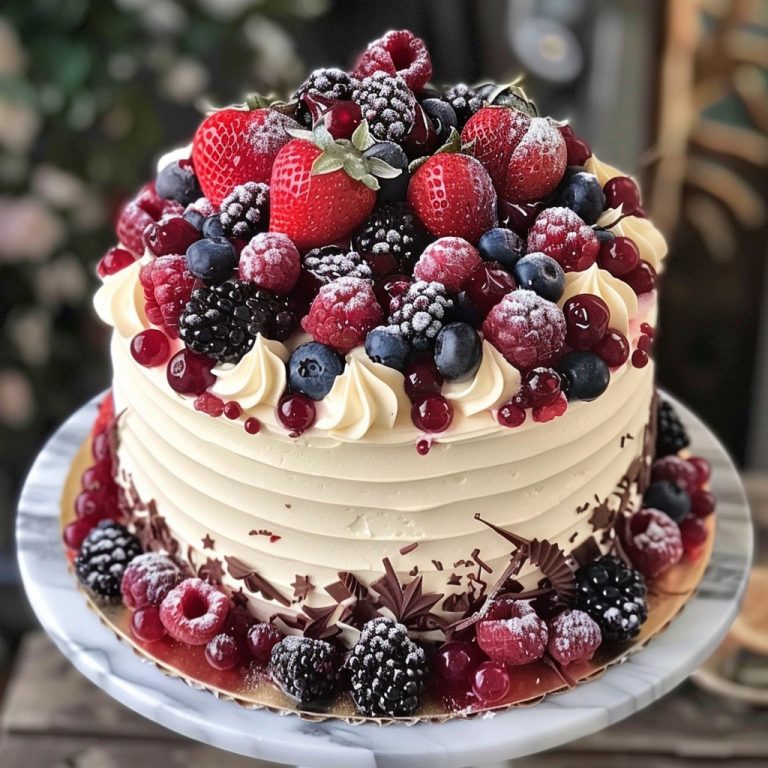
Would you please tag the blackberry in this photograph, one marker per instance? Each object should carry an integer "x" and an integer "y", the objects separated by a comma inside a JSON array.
[
  {"x": 671, "y": 436},
  {"x": 105, "y": 554},
  {"x": 392, "y": 233},
  {"x": 329, "y": 82},
  {"x": 613, "y": 594},
  {"x": 245, "y": 211},
  {"x": 305, "y": 669},
  {"x": 465, "y": 101},
  {"x": 388, "y": 671},
  {"x": 331, "y": 262},
  {"x": 387, "y": 104},
  {"x": 421, "y": 312},
  {"x": 273, "y": 316}
]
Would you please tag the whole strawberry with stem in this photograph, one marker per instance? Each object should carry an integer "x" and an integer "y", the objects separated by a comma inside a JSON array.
[
  {"x": 238, "y": 144},
  {"x": 323, "y": 189}
]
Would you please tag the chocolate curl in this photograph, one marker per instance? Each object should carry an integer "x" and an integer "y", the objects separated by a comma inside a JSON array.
[{"x": 557, "y": 668}]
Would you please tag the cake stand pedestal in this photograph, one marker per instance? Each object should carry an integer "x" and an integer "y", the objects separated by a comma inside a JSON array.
[{"x": 622, "y": 690}]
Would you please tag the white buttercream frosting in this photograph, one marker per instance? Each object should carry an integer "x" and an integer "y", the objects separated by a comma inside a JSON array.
[{"x": 119, "y": 302}]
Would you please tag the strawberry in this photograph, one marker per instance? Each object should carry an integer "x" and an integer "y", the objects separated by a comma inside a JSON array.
[
  {"x": 453, "y": 196},
  {"x": 236, "y": 145}
]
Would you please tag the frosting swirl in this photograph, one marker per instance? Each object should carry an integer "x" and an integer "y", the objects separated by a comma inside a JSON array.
[
  {"x": 495, "y": 382},
  {"x": 604, "y": 171},
  {"x": 365, "y": 396},
  {"x": 620, "y": 298},
  {"x": 258, "y": 378},
  {"x": 119, "y": 302}
]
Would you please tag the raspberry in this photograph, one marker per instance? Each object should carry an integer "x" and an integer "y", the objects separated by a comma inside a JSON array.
[
  {"x": 194, "y": 612},
  {"x": 702, "y": 468},
  {"x": 146, "y": 625},
  {"x": 543, "y": 413},
  {"x": 271, "y": 261},
  {"x": 342, "y": 314},
  {"x": 398, "y": 52},
  {"x": 148, "y": 579},
  {"x": 652, "y": 541},
  {"x": 525, "y": 328},
  {"x": 168, "y": 286},
  {"x": 537, "y": 163},
  {"x": 676, "y": 470},
  {"x": 449, "y": 260},
  {"x": 573, "y": 636},
  {"x": 564, "y": 236},
  {"x": 130, "y": 228},
  {"x": 519, "y": 639}
]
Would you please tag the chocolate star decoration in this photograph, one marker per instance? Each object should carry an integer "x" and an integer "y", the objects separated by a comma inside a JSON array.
[
  {"x": 602, "y": 516},
  {"x": 208, "y": 542},
  {"x": 211, "y": 570},
  {"x": 407, "y": 603},
  {"x": 302, "y": 586}
]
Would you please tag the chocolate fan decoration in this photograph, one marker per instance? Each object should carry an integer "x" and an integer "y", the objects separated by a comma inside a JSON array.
[{"x": 407, "y": 603}]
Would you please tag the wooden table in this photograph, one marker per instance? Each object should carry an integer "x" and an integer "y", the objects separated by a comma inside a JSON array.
[{"x": 53, "y": 717}]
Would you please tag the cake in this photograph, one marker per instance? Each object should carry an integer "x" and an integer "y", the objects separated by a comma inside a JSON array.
[{"x": 384, "y": 392}]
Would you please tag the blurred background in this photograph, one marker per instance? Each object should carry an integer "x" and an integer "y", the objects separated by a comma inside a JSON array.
[{"x": 91, "y": 91}]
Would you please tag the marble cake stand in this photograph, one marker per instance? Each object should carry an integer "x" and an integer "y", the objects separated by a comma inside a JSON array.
[{"x": 621, "y": 691}]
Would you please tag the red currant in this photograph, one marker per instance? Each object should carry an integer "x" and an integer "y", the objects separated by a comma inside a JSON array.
[
  {"x": 98, "y": 503},
  {"x": 432, "y": 413},
  {"x": 423, "y": 446},
  {"x": 622, "y": 191},
  {"x": 644, "y": 343},
  {"x": 75, "y": 532},
  {"x": 422, "y": 378},
  {"x": 146, "y": 625},
  {"x": 542, "y": 386},
  {"x": 642, "y": 279},
  {"x": 113, "y": 261},
  {"x": 190, "y": 374},
  {"x": 639, "y": 358},
  {"x": 702, "y": 503},
  {"x": 487, "y": 285},
  {"x": 98, "y": 477},
  {"x": 456, "y": 662},
  {"x": 170, "y": 235},
  {"x": 252, "y": 425},
  {"x": 647, "y": 329},
  {"x": 491, "y": 682},
  {"x": 233, "y": 410},
  {"x": 703, "y": 470},
  {"x": 296, "y": 413},
  {"x": 150, "y": 348},
  {"x": 586, "y": 317},
  {"x": 619, "y": 256},
  {"x": 262, "y": 638},
  {"x": 511, "y": 415},
  {"x": 613, "y": 348},
  {"x": 693, "y": 531},
  {"x": 222, "y": 652}
]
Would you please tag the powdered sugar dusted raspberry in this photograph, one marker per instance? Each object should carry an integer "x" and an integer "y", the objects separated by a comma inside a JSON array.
[
  {"x": 398, "y": 52},
  {"x": 676, "y": 470},
  {"x": 130, "y": 228},
  {"x": 342, "y": 313},
  {"x": 573, "y": 636},
  {"x": 449, "y": 260},
  {"x": 203, "y": 206},
  {"x": 525, "y": 328},
  {"x": 194, "y": 612},
  {"x": 653, "y": 542},
  {"x": 270, "y": 134},
  {"x": 168, "y": 285},
  {"x": 519, "y": 639},
  {"x": 271, "y": 261},
  {"x": 537, "y": 163},
  {"x": 563, "y": 235},
  {"x": 148, "y": 579}
]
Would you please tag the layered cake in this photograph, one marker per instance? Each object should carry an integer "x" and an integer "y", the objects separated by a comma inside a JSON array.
[{"x": 383, "y": 419}]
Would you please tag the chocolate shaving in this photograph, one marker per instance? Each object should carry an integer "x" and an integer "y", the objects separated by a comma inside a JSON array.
[
  {"x": 476, "y": 557},
  {"x": 414, "y": 571},
  {"x": 457, "y": 603},
  {"x": 408, "y": 548},
  {"x": 573, "y": 537},
  {"x": 253, "y": 581},
  {"x": 407, "y": 603},
  {"x": 438, "y": 565}
]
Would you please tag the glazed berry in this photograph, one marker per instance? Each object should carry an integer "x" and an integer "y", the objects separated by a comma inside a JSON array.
[
  {"x": 148, "y": 579},
  {"x": 189, "y": 374},
  {"x": 503, "y": 246},
  {"x": 491, "y": 682},
  {"x": 313, "y": 368},
  {"x": 693, "y": 532},
  {"x": 573, "y": 637},
  {"x": 146, "y": 625},
  {"x": 177, "y": 181},
  {"x": 488, "y": 284},
  {"x": 542, "y": 385},
  {"x": 330, "y": 82},
  {"x": 456, "y": 661},
  {"x": 222, "y": 652},
  {"x": 586, "y": 317},
  {"x": 331, "y": 262},
  {"x": 652, "y": 541},
  {"x": 387, "y": 670},
  {"x": 252, "y": 425},
  {"x": 642, "y": 279},
  {"x": 671, "y": 435},
  {"x": 443, "y": 117},
  {"x": 262, "y": 638},
  {"x": 245, "y": 211},
  {"x": 270, "y": 261},
  {"x": 387, "y": 104},
  {"x": 449, "y": 260},
  {"x": 395, "y": 189},
  {"x": 106, "y": 552},
  {"x": 519, "y": 217},
  {"x": 525, "y": 328},
  {"x": 669, "y": 498},
  {"x": 518, "y": 639},
  {"x": 385, "y": 345},
  {"x": 544, "y": 413},
  {"x": 563, "y": 235},
  {"x": 170, "y": 235},
  {"x": 511, "y": 415},
  {"x": 458, "y": 351},
  {"x": 422, "y": 378},
  {"x": 150, "y": 348},
  {"x": 640, "y": 359},
  {"x": 100, "y": 446},
  {"x": 619, "y": 256},
  {"x": 466, "y": 101},
  {"x": 167, "y": 284},
  {"x": 397, "y": 52},
  {"x": 676, "y": 470},
  {"x": 613, "y": 348},
  {"x": 74, "y": 533},
  {"x": 212, "y": 259},
  {"x": 113, "y": 261},
  {"x": 583, "y": 194},
  {"x": 702, "y": 468},
  {"x": 305, "y": 669},
  {"x": 622, "y": 191},
  {"x": 432, "y": 413},
  {"x": 343, "y": 313},
  {"x": 578, "y": 149},
  {"x": 584, "y": 375},
  {"x": 96, "y": 505},
  {"x": 98, "y": 478},
  {"x": 541, "y": 274},
  {"x": 296, "y": 413},
  {"x": 420, "y": 313},
  {"x": 194, "y": 612}
]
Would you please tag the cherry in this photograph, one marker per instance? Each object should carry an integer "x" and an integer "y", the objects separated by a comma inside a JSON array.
[
  {"x": 262, "y": 638},
  {"x": 487, "y": 285},
  {"x": 190, "y": 374},
  {"x": 170, "y": 235},
  {"x": 113, "y": 261},
  {"x": 519, "y": 217},
  {"x": 619, "y": 256},
  {"x": 510, "y": 415},
  {"x": 296, "y": 413},
  {"x": 146, "y": 625},
  {"x": 542, "y": 386},
  {"x": 621, "y": 190},
  {"x": 647, "y": 329},
  {"x": 238, "y": 624},
  {"x": 642, "y": 279},
  {"x": 703, "y": 470},
  {"x": 578, "y": 150},
  {"x": 693, "y": 532},
  {"x": 390, "y": 286},
  {"x": 456, "y": 662},
  {"x": 95, "y": 503},
  {"x": 432, "y": 413},
  {"x": 422, "y": 447},
  {"x": 339, "y": 117},
  {"x": 702, "y": 503},
  {"x": 491, "y": 682},
  {"x": 382, "y": 265},
  {"x": 422, "y": 378},
  {"x": 100, "y": 448},
  {"x": 222, "y": 652},
  {"x": 209, "y": 404},
  {"x": 613, "y": 348},
  {"x": 586, "y": 318},
  {"x": 551, "y": 411},
  {"x": 422, "y": 138},
  {"x": 639, "y": 358},
  {"x": 150, "y": 348},
  {"x": 75, "y": 532},
  {"x": 98, "y": 476},
  {"x": 148, "y": 200},
  {"x": 252, "y": 425},
  {"x": 233, "y": 410}
]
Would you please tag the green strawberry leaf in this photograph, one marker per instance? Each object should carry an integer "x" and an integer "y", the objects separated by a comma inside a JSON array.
[
  {"x": 300, "y": 133},
  {"x": 382, "y": 169},
  {"x": 371, "y": 182},
  {"x": 361, "y": 138},
  {"x": 323, "y": 137},
  {"x": 257, "y": 101},
  {"x": 327, "y": 163},
  {"x": 452, "y": 143}
]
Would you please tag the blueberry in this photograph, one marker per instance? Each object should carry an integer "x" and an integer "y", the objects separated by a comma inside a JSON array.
[
  {"x": 195, "y": 218},
  {"x": 392, "y": 154},
  {"x": 502, "y": 245},
  {"x": 585, "y": 376},
  {"x": 385, "y": 345},
  {"x": 312, "y": 369},
  {"x": 542, "y": 274},
  {"x": 178, "y": 182},
  {"x": 212, "y": 227},
  {"x": 465, "y": 311},
  {"x": 212, "y": 259},
  {"x": 458, "y": 351},
  {"x": 669, "y": 498},
  {"x": 605, "y": 236},
  {"x": 442, "y": 115},
  {"x": 584, "y": 195}
]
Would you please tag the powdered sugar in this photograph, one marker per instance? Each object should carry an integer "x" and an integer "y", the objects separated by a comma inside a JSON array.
[
  {"x": 271, "y": 261},
  {"x": 573, "y": 636},
  {"x": 148, "y": 579},
  {"x": 269, "y": 134}
]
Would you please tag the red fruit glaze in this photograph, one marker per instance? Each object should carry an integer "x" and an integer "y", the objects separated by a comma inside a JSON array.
[
  {"x": 148, "y": 579},
  {"x": 150, "y": 348},
  {"x": 397, "y": 52},
  {"x": 189, "y": 374},
  {"x": 491, "y": 682},
  {"x": 647, "y": 329},
  {"x": 98, "y": 477},
  {"x": 702, "y": 503},
  {"x": 586, "y": 318},
  {"x": 621, "y": 190},
  {"x": 613, "y": 348},
  {"x": 693, "y": 532},
  {"x": 619, "y": 256},
  {"x": 676, "y": 470},
  {"x": 510, "y": 415},
  {"x": 262, "y": 638},
  {"x": 170, "y": 235},
  {"x": 542, "y": 385},
  {"x": 100, "y": 447},
  {"x": 252, "y": 425},
  {"x": 270, "y": 261},
  {"x": 488, "y": 284},
  {"x": 652, "y": 541},
  {"x": 545, "y": 413},
  {"x": 519, "y": 639},
  {"x": 222, "y": 652},
  {"x": 644, "y": 343},
  {"x": 113, "y": 261},
  {"x": 146, "y": 625},
  {"x": 456, "y": 662},
  {"x": 296, "y": 413},
  {"x": 642, "y": 279},
  {"x": 703, "y": 470},
  {"x": 422, "y": 378},
  {"x": 573, "y": 637},
  {"x": 562, "y": 234},
  {"x": 233, "y": 410},
  {"x": 432, "y": 413},
  {"x": 449, "y": 260},
  {"x": 209, "y": 404},
  {"x": 194, "y": 612}
]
